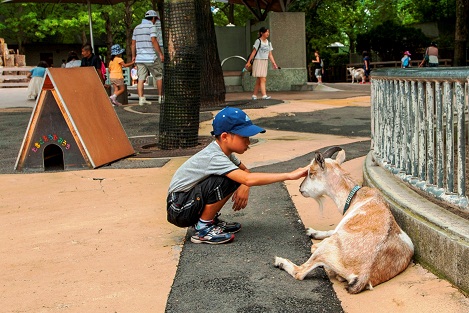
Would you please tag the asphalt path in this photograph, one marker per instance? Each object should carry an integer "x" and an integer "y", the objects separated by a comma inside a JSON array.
[{"x": 240, "y": 276}]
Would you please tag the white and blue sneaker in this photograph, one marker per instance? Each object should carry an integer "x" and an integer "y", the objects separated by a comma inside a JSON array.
[{"x": 211, "y": 234}]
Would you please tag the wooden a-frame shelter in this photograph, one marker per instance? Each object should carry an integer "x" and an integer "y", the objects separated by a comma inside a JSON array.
[{"x": 73, "y": 125}]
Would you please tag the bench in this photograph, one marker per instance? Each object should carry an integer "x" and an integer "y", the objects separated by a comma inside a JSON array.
[{"x": 14, "y": 77}]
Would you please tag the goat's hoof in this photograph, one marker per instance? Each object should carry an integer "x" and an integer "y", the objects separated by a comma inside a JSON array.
[
  {"x": 279, "y": 262},
  {"x": 311, "y": 233},
  {"x": 353, "y": 287}
]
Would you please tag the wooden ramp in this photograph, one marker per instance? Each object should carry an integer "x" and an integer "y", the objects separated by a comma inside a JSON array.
[{"x": 73, "y": 125}]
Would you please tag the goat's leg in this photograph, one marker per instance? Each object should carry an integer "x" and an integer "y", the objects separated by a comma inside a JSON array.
[
  {"x": 293, "y": 269},
  {"x": 326, "y": 254},
  {"x": 319, "y": 234}
]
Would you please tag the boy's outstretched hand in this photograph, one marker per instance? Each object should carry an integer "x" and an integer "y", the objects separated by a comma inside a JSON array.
[{"x": 298, "y": 173}]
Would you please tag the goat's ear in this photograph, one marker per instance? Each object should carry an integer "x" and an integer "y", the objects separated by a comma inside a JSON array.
[
  {"x": 340, "y": 158},
  {"x": 320, "y": 160}
]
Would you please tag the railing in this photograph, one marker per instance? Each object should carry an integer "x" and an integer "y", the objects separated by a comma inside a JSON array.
[
  {"x": 233, "y": 57},
  {"x": 420, "y": 128}
]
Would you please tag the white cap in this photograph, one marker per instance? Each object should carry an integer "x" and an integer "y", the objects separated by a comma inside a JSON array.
[{"x": 152, "y": 13}]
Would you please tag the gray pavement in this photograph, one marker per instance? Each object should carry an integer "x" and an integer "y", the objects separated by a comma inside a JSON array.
[{"x": 15, "y": 113}]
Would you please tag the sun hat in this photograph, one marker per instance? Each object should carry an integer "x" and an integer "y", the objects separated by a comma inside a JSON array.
[
  {"x": 234, "y": 121},
  {"x": 407, "y": 53},
  {"x": 152, "y": 13},
  {"x": 116, "y": 49}
]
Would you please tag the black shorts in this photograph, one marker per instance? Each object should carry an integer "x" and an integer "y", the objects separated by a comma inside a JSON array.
[{"x": 185, "y": 208}]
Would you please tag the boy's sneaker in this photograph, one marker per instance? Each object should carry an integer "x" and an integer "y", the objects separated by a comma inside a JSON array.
[
  {"x": 266, "y": 97},
  {"x": 227, "y": 227},
  {"x": 212, "y": 235}
]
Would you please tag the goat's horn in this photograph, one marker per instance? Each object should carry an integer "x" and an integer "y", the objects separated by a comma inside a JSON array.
[{"x": 330, "y": 152}]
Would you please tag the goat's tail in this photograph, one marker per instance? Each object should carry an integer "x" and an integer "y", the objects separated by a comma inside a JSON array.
[{"x": 358, "y": 284}]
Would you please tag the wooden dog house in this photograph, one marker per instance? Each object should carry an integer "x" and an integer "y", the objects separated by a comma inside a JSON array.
[{"x": 73, "y": 125}]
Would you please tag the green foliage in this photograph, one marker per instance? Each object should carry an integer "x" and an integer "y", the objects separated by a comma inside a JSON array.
[
  {"x": 241, "y": 14},
  {"x": 338, "y": 59},
  {"x": 358, "y": 24},
  {"x": 389, "y": 40},
  {"x": 350, "y": 22},
  {"x": 411, "y": 11},
  {"x": 33, "y": 22}
]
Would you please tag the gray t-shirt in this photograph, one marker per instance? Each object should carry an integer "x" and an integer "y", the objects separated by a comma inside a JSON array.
[
  {"x": 264, "y": 49},
  {"x": 209, "y": 161}
]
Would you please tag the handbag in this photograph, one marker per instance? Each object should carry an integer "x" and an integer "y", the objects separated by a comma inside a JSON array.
[{"x": 249, "y": 68}]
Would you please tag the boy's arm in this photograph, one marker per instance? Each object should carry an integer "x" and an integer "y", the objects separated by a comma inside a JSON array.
[
  {"x": 241, "y": 195},
  {"x": 259, "y": 179},
  {"x": 248, "y": 179}
]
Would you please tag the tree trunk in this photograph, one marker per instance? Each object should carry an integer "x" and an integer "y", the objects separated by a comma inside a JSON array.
[
  {"x": 212, "y": 84},
  {"x": 109, "y": 37},
  {"x": 128, "y": 29},
  {"x": 179, "y": 115},
  {"x": 460, "y": 35}
]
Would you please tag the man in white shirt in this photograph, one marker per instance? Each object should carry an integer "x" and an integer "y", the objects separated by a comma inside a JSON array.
[{"x": 147, "y": 54}]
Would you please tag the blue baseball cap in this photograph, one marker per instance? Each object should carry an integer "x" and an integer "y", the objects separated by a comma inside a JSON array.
[{"x": 234, "y": 121}]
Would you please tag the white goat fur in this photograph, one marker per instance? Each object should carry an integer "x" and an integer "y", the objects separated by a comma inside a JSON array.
[
  {"x": 367, "y": 247},
  {"x": 357, "y": 74}
]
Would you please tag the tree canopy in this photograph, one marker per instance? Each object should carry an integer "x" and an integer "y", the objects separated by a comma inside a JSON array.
[{"x": 355, "y": 23}]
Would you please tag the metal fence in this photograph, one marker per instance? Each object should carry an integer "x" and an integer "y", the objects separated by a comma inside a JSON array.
[{"x": 420, "y": 128}]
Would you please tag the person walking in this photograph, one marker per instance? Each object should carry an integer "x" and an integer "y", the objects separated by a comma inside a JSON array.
[
  {"x": 116, "y": 75},
  {"x": 133, "y": 74},
  {"x": 205, "y": 182},
  {"x": 147, "y": 54},
  {"x": 405, "y": 61},
  {"x": 37, "y": 76},
  {"x": 366, "y": 67},
  {"x": 261, "y": 54},
  {"x": 431, "y": 56},
  {"x": 318, "y": 68}
]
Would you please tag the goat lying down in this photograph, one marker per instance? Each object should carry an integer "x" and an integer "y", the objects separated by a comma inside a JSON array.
[{"x": 367, "y": 247}]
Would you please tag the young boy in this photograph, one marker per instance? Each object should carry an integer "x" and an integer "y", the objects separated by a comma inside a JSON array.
[{"x": 205, "y": 182}]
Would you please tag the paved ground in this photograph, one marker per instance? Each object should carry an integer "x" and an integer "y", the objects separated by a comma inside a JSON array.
[{"x": 98, "y": 241}]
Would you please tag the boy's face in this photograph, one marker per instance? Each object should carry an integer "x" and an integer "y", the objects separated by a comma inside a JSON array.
[{"x": 234, "y": 143}]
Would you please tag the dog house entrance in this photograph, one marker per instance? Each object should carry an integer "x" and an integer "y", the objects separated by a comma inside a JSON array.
[{"x": 53, "y": 158}]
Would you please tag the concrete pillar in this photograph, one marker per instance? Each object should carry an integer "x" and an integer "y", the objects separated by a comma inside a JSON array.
[{"x": 288, "y": 38}]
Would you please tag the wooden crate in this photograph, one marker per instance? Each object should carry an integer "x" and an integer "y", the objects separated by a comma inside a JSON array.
[{"x": 20, "y": 60}]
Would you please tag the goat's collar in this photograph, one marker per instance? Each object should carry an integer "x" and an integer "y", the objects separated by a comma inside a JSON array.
[{"x": 350, "y": 197}]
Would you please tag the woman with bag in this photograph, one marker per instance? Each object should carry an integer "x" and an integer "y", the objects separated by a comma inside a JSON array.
[
  {"x": 431, "y": 56},
  {"x": 261, "y": 54}
]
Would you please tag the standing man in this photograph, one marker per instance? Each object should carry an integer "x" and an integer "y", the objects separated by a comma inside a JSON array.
[
  {"x": 90, "y": 59},
  {"x": 145, "y": 47}
]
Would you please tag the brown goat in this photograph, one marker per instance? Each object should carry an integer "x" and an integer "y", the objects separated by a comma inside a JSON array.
[{"x": 367, "y": 247}]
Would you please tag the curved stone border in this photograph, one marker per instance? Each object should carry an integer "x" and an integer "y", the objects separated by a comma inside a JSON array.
[{"x": 441, "y": 238}]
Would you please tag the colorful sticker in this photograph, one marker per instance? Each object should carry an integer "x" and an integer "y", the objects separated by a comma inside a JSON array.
[{"x": 48, "y": 138}]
